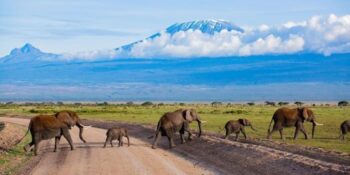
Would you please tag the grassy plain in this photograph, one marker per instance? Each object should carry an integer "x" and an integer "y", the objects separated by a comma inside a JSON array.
[{"x": 216, "y": 116}]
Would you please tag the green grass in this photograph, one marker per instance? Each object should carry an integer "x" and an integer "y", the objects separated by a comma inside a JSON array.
[
  {"x": 15, "y": 158},
  {"x": 260, "y": 115}
]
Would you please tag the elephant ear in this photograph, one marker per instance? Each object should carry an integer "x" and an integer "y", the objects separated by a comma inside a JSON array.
[
  {"x": 65, "y": 118},
  {"x": 305, "y": 114},
  {"x": 242, "y": 122},
  {"x": 187, "y": 115}
]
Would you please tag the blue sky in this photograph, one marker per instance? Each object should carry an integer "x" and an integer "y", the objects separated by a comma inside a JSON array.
[{"x": 71, "y": 26}]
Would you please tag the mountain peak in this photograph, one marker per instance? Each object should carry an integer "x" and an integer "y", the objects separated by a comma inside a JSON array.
[
  {"x": 205, "y": 26},
  {"x": 25, "y": 49}
]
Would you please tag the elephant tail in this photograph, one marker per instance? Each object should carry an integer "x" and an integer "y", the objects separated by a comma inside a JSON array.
[
  {"x": 157, "y": 131},
  {"x": 29, "y": 126},
  {"x": 269, "y": 129}
]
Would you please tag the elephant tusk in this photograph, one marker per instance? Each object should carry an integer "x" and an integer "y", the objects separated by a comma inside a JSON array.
[
  {"x": 203, "y": 121},
  {"x": 318, "y": 124}
]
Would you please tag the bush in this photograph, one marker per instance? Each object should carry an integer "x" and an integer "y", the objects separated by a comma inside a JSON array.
[
  {"x": 147, "y": 103},
  {"x": 251, "y": 103},
  {"x": 129, "y": 103},
  {"x": 60, "y": 103},
  {"x": 343, "y": 103},
  {"x": 281, "y": 103},
  {"x": 216, "y": 103},
  {"x": 271, "y": 103},
  {"x": 182, "y": 104}
]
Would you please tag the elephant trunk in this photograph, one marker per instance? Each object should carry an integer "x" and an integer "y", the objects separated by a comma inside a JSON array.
[
  {"x": 199, "y": 127},
  {"x": 81, "y": 128},
  {"x": 251, "y": 126}
]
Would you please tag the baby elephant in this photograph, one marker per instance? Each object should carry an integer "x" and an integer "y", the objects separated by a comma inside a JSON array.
[
  {"x": 116, "y": 133},
  {"x": 237, "y": 126},
  {"x": 344, "y": 128}
]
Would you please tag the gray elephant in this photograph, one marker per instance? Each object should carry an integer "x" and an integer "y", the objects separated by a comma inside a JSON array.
[
  {"x": 44, "y": 127},
  {"x": 286, "y": 117},
  {"x": 237, "y": 126},
  {"x": 344, "y": 129},
  {"x": 116, "y": 133},
  {"x": 177, "y": 121}
]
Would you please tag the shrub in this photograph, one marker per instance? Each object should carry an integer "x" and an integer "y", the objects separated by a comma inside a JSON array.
[
  {"x": 298, "y": 103},
  {"x": 147, "y": 103},
  {"x": 251, "y": 103},
  {"x": 129, "y": 103},
  {"x": 182, "y": 104},
  {"x": 216, "y": 103},
  {"x": 281, "y": 103},
  {"x": 271, "y": 103},
  {"x": 343, "y": 103},
  {"x": 60, "y": 103}
]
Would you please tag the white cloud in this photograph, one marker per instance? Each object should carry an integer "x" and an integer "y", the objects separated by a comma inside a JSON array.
[
  {"x": 324, "y": 35},
  {"x": 89, "y": 55}
]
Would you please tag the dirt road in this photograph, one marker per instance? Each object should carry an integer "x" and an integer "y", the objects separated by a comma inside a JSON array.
[
  {"x": 207, "y": 155},
  {"x": 91, "y": 158}
]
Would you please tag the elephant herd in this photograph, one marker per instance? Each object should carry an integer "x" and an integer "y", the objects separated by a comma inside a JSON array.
[{"x": 45, "y": 127}]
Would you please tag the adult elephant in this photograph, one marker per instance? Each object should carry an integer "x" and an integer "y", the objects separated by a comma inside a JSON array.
[
  {"x": 177, "y": 121},
  {"x": 70, "y": 118},
  {"x": 286, "y": 117},
  {"x": 44, "y": 127}
]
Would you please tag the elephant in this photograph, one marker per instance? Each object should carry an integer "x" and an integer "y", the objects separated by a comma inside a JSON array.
[
  {"x": 116, "y": 133},
  {"x": 237, "y": 126},
  {"x": 286, "y": 117},
  {"x": 71, "y": 119},
  {"x": 44, "y": 127},
  {"x": 344, "y": 129},
  {"x": 177, "y": 121}
]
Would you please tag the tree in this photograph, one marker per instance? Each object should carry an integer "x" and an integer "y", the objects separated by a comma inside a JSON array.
[
  {"x": 281, "y": 103},
  {"x": 147, "y": 103},
  {"x": 216, "y": 103},
  {"x": 299, "y": 103},
  {"x": 343, "y": 103}
]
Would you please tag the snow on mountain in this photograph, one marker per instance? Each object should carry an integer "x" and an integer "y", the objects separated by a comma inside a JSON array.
[{"x": 209, "y": 27}]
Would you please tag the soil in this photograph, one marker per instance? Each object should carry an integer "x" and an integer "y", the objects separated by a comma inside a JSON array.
[{"x": 209, "y": 154}]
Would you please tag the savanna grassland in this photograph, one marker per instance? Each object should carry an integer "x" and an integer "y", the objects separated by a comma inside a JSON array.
[{"x": 216, "y": 116}]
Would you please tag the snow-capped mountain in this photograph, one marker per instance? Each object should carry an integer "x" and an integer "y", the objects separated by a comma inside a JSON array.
[
  {"x": 205, "y": 26},
  {"x": 209, "y": 27},
  {"x": 27, "y": 53}
]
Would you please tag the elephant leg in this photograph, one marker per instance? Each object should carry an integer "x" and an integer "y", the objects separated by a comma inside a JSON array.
[
  {"x": 67, "y": 136},
  {"x": 111, "y": 142},
  {"x": 171, "y": 142},
  {"x": 187, "y": 129},
  {"x": 154, "y": 146},
  {"x": 281, "y": 133},
  {"x": 270, "y": 133},
  {"x": 182, "y": 138},
  {"x": 237, "y": 134},
  {"x": 121, "y": 141},
  {"x": 108, "y": 139},
  {"x": 243, "y": 132},
  {"x": 28, "y": 147},
  {"x": 296, "y": 133},
  {"x": 302, "y": 129},
  {"x": 36, "y": 144},
  {"x": 228, "y": 132},
  {"x": 57, "y": 141}
]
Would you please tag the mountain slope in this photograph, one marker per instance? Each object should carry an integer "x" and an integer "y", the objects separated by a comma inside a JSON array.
[{"x": 27, "y": 54}]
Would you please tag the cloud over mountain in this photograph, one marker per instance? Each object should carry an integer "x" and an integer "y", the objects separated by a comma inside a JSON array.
[{"x": 210, "y": 38}]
